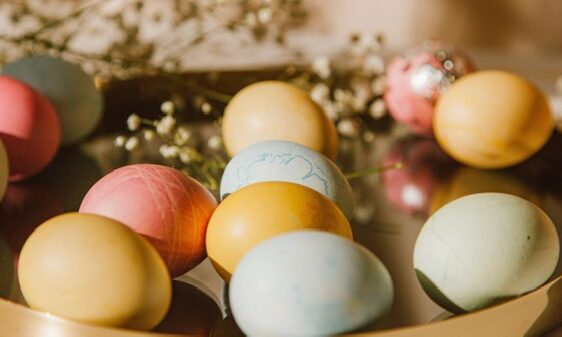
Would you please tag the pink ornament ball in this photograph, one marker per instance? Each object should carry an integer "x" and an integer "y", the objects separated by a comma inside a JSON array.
[
  {"x": 164, "y": 205},
  {"x": 29, "y": 128},
  {"x": 416, "y": 80}
]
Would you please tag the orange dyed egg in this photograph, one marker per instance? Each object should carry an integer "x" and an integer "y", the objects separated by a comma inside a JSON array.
[
  {"x": 492, "y": 119},
  {"x": 260, "y": 211}
]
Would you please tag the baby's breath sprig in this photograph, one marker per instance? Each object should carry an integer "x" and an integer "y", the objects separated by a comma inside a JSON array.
[
  {"x": 177, "y": 146},
  {"x": 349, "y": 86}
]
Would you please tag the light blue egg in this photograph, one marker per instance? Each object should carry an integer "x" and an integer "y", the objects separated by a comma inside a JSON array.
[
  {"x": 309, "y": 283},
  {"x": 71, "y": 91},
  {"x": 279, "y": 160}
]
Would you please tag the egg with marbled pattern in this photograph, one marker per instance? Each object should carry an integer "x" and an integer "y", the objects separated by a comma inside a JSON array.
[{"x": 278, "y": 160}]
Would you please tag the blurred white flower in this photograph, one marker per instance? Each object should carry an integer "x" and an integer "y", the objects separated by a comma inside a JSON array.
[
  {"x": 133, "y": 122},
  {"x": 97, "y": 35},
  {"x": 321, "y": 66},
  {"x": 377, "y": 108},
  {"x": 181, "y": 136},
  {"x": 131, "y": 143},
  {"x": 168, "y": 107},
  {"x": 169, "y": 151},
  {"x": 165, "y": 125},
  {"x": 215, "y": 142},
  {"x": 348, "y": 127},
  {"x": 157, "y": 19},
  {"x": 120, "y": 141}
]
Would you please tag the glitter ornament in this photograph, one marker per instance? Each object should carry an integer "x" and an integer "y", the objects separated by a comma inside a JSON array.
[{"x": 416, "y": 80}]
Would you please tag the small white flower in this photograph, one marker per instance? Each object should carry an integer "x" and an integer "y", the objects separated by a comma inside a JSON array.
[
  {"x": 148, "y": 134},
  {"x": 251, "y": 19},
  {"x": 215, "y": 142},
  {"x": 330, "y": 110},
  {"x": 206, "y": 107},
  {"x": 120, "y": 141},
  {"x": 168, "y": 107},
  {"x": 165, "y": 125},
  {"x": 133, "y": 122},
  {"x": 168, "y": 151},
  {"x": 185, "y": 156},
  {"x": 374, "y": 64},
  {"x": 320, "y": 93},
  {"x": 377, "y": 109},
  {"x": 321, "y": 66},
  {"x": 348, "y": 127},
  {"x": 378, "y": 84},
  {"x": 131, "y": 143},
  {"x": 368, "y": 136},
  {"x": 265, "y": 14},
  {"x": 182, "y": 136}
]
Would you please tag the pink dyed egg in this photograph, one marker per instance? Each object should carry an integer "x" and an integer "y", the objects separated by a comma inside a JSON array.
[
  {"x": 29, "y": 128},
  {"x": 167, "y": 207},
  {"x": 416, "y": 80},
  {"x": 425, "y": 167}
]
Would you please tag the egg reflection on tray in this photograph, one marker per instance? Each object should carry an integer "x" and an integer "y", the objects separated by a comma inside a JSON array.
[
  {"x": 25, "y": 206},
  {"x": 468, "y": 180},
  {"x": 191, "y": 312},
  {"x": 425, "y": 167},
  {"x": 6, "y": 269}
]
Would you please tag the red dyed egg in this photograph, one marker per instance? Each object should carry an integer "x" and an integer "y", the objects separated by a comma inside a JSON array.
[
  {"x": 167, "y": 207},
  {"x": 29, "y": 128}
]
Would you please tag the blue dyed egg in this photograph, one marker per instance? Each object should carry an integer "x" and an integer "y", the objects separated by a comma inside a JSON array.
[
  {"x": 71, "y": 91},
  {"x": 279, "y": 160},
  {"x": 309, "y": 283}
]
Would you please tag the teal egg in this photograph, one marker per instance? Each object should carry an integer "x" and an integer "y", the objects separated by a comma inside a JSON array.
[{"x": 71, "y": 91}]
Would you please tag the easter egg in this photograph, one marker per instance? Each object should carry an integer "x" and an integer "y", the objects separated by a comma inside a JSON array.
[
  {"x": 492, "y": 119},
  {"x": 309, "y": 283},
  {"x": 71, "y": 91},
  {"x": 29, "y": 128},
  {"x": 95, "y": 270},
  {"x": 274, "y": 110},
  {"x": 278, "y": 160},
  {"x": 485, "y": 248},
  {"x": 4, "y": 170},
  {"x": 260, "y": 211},
  {"x": 161, "y": 203},
  {"x": 416, "y": 80}
]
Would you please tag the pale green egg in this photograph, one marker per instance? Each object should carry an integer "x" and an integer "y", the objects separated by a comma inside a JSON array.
[{"x": 483, "y": 249}]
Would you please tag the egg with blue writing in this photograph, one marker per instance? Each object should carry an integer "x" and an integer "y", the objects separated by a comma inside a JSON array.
[
  {"x": 72, "y": 92},
  {"x": 309, "y": 283},
  {"x": 278, "y": 160}
]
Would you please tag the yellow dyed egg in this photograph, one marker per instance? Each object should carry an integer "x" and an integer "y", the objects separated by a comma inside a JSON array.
[
  {"x": 95, "y": 270},
  {"x": 274, "y": 110},
  {"x": 4, "y": 170},
  {"x": 492, "y": 119},
  {"x": 263, "y": 210}
]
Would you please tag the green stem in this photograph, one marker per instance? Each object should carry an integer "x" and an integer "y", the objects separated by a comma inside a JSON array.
[{"x": 373, "y": 170}]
